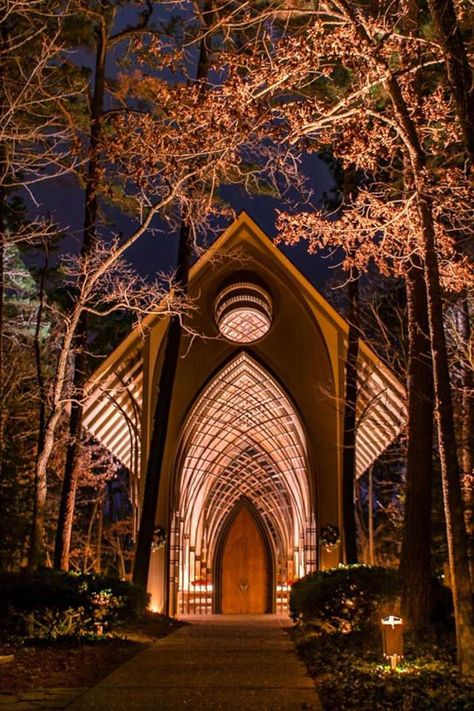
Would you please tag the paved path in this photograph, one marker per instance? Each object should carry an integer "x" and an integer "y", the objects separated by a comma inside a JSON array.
[{"x": 220, "y": 662}]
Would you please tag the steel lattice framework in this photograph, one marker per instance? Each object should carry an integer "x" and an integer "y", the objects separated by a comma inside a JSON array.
[{"x": 243, "y": 438}]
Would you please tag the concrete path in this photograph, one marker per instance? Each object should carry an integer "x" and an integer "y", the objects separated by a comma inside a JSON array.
[{"x": 219, "y": 662}]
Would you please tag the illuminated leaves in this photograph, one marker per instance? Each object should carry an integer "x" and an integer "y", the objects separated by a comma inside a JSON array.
[{"x": 382, "y": 230}]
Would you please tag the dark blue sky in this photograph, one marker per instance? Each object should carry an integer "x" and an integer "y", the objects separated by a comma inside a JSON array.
[{"x": 153, "y": 253}]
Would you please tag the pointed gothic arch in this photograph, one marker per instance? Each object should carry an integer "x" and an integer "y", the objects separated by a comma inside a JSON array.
[
  {"x": 246, "y": 504},
  {"x": 243, "y": 438}
]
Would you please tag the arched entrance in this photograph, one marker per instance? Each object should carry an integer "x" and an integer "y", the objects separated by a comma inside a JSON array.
[{"x": 243, "y": 462}]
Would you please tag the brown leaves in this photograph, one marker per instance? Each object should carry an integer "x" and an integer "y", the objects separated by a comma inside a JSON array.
[
  {"x": 194, "y": 139},
  {"x": 380, "y": 229},
  {"x": 330, "y": 83}
]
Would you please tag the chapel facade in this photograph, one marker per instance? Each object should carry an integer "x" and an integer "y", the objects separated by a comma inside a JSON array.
[{"x": 253, "y": 461}]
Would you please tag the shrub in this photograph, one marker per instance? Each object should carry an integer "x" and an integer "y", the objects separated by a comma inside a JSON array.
[
  {"x": 50, "y": 623},
  {"x": 52, "y": 603},
  {"x": 344, "y": 599}
]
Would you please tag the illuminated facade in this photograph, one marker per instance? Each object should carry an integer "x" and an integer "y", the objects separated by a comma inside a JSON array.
[{"x": 253, "y": 459}]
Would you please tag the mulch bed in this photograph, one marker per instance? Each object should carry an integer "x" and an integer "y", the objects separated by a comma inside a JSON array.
[{"x": 45, "y": 664}]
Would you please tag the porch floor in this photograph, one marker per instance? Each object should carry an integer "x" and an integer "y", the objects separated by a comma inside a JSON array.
[{"x": 214, "y": 662}]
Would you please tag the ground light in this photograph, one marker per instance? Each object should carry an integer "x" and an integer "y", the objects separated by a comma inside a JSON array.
[{"x": 392, "y": 639}]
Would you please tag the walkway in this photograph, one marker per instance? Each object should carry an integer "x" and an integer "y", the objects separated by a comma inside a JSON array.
[{"x": 220, "y": 662}]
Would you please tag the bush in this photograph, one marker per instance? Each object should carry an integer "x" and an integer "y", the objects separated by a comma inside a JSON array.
[
  {"x": 344, "y": 599},
  {"x": 50, "y": 603},
  {"x": 49, "y": 623}
]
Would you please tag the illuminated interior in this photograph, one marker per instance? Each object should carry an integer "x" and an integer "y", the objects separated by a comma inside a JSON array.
[
  {"x": 243, "y": 438},
  {"x": 243, "y": 312}
]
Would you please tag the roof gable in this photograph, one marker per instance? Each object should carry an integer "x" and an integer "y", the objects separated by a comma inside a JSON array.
[{"x": 117, "y": 382}]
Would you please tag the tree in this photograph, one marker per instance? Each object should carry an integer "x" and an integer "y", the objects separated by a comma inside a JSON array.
[
  {"x": 458, "y": 69},
  {"x": 103, "y": 283},
  {"x": 461, "y": 350},
  {"x": 34, "y": 143},
  {"x": 415, "y": 558},
  {"x": 350, "y": 419},
  {"x": 20, "y": 398},
  {"x": 168, "y": 370},
  {"x": 144, "y": 114},
  {"x": 375, "y": 131},
  {"x": 415, "y": 561},
  {"x": 99, "y": 19},
  {"x": 165, "y": 162},
  {"x": 349, "y": 190}
]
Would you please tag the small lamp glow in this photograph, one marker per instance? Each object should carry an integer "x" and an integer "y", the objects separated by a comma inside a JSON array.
[
  {"x": 392, "y": 639},
  {"x": 159, "y": 538}
]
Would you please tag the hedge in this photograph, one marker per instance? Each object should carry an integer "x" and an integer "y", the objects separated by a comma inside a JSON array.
[
  {"x": 351, "y": 597},
  {"x": 53, "y": 603},
  {"x": 344, "y": 599}
]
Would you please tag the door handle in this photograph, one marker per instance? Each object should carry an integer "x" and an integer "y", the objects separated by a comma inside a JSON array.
[{"x": 243, "y": 585}]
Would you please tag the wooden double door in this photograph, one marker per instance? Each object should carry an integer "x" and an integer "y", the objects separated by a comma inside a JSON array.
[{"x": 245, "y": 567}]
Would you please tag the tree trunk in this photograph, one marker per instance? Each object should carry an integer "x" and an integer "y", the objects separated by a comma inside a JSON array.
[
  {"x": 451, "y": 483},
  {"x": 2, "y": 312},
  {"x": 100, "y": 523},
  {"x": 161, "y": 420},
  {"x": 467, "y": 422},
  {"x": 68, "y": 492},
  {"x": 453, "y": 503},
  {"x": 452, "y": 496},
  {"x": 415, "y": 558},
  {"x": 38, "y": 363},
  {"x": 458, "y": 70},
  {"x": 41, "y": 467},
  {"x": 4, "y": 47},
  {"x": 167, "y": 376},
  {"x": 415, "y": 562},
  {"x": 362, "y": 528},
  {"x": 467, "y": 437},
  {"x": 349, "y": 435},
  {"x": 36, "y": 525},
  {"x": 371, "y": 515},
  {"x": 88, "y": 555},
  {"x": 121, "y": 559}
]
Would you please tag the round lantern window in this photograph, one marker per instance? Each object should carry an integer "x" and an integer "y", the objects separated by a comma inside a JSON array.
[{"x": 243, "y": 312}]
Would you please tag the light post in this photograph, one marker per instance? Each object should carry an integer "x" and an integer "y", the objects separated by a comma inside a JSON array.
[{"x": 392, "y": 639}]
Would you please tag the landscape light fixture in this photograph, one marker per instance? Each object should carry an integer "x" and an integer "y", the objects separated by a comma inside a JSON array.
[{"x": 392, "y": 639}]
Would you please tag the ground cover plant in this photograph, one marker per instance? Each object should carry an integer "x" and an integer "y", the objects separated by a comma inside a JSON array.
[
  {"x": 338, "y": 636},
  {"x": 350, "y": 673},
  {"x": 70, "y": 630}
]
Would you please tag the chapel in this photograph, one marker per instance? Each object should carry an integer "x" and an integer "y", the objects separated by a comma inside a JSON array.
[{"x": 253, "y": 461}]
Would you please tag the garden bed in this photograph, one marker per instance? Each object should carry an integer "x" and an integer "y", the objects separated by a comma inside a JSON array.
[
  {"x": 350, "y": 674},
  {"x": 76, "y": 662},
  {"x": 338, "y": 636}
]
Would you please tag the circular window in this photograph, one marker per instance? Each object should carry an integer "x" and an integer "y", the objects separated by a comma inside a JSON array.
[{"x": 243, "y": 312}]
